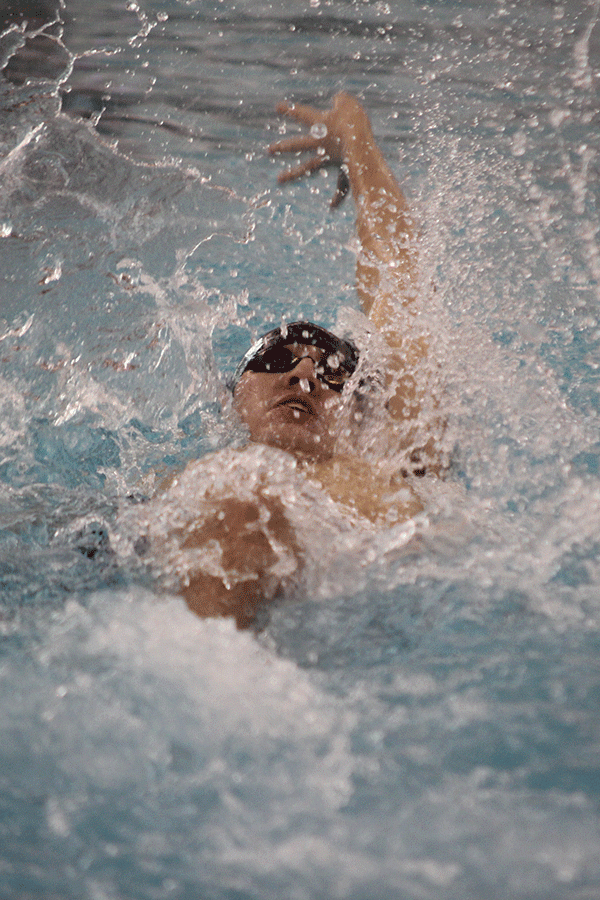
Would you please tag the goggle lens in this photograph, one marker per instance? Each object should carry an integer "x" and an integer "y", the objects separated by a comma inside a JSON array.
[{"x": 333, "y": 369}]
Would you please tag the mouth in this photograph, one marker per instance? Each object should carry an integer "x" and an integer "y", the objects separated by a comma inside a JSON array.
[{"x": 297, "y": 404}]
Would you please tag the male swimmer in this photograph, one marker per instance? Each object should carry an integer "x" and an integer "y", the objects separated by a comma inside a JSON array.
[{"x": 298, "y": 390}]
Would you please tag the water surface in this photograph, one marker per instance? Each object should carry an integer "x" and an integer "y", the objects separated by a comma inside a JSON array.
[{"x": 427, "y": 728}]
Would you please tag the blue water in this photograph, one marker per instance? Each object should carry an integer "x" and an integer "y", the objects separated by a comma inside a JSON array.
[{"x": 428, "y": 727}]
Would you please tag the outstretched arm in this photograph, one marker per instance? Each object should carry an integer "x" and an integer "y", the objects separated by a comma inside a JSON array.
[
  {"x": 386, "y": 265},
  {"x": 342, "y": 136}
]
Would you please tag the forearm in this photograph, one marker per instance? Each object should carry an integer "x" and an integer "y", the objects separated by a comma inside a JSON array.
[
  {"x": 383, "y": 222},
  {"x": 387, "y": 267},
  {"x": 386, "y": 263}
]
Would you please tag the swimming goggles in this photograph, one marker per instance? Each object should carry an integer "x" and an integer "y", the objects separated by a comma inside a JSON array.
[{"x": 273, "y": 353}]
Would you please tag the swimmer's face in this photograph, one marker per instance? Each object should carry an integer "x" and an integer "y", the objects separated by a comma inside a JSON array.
[{"x": 292, "y": 410}]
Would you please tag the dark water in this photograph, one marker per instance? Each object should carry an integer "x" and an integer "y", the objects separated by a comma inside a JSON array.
[{"x": 422, "y": 725}]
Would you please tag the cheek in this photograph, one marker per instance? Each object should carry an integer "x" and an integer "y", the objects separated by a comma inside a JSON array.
[
  {"x": 249, "y": 402},
  {"x": 244, "y": 408},
  {"x": 341, "y": 418}
]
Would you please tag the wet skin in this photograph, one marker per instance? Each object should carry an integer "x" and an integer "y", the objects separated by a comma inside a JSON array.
[{"x": 292, "y": 410}]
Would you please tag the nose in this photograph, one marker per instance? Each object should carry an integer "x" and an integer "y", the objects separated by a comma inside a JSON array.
[{"x": 304, "y": 371}]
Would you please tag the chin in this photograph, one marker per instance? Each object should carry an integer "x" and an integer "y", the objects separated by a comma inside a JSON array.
[{"x": 298, "y": 442}]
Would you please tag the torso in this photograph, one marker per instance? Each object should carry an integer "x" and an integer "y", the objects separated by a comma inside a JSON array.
[
  {"x": 371, "y": 494},
  {"x": 336, "y": 509}
]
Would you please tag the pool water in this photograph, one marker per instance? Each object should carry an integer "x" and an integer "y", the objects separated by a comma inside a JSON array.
[{"x": 424, "y": 722}]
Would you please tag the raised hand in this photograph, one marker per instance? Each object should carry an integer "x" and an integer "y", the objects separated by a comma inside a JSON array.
[{"x": 330, "y": 132}]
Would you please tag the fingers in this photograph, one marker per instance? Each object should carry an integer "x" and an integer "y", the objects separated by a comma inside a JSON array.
[
  {"x": 307, "y": 115},
  {"x": 298, "y": 144},
  {"x": 306, "y": 168},
  {"x": 316, "y": 144}
]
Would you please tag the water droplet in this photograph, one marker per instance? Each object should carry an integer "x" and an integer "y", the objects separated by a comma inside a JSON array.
[
  {"x": 519, "y": 143},
  {"x": 319, "y": 131}
]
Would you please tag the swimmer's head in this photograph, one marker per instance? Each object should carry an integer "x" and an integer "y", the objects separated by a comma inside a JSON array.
[{"x": 288, "y": 388}]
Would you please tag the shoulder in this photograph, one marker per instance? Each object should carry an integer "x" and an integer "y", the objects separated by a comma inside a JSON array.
[{"x": 242, "y": 471}]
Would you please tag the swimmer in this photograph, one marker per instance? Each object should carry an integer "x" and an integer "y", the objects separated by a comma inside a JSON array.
[
  {"x": 314, "y": 370},
  {"x": 299, "y": 388}
]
